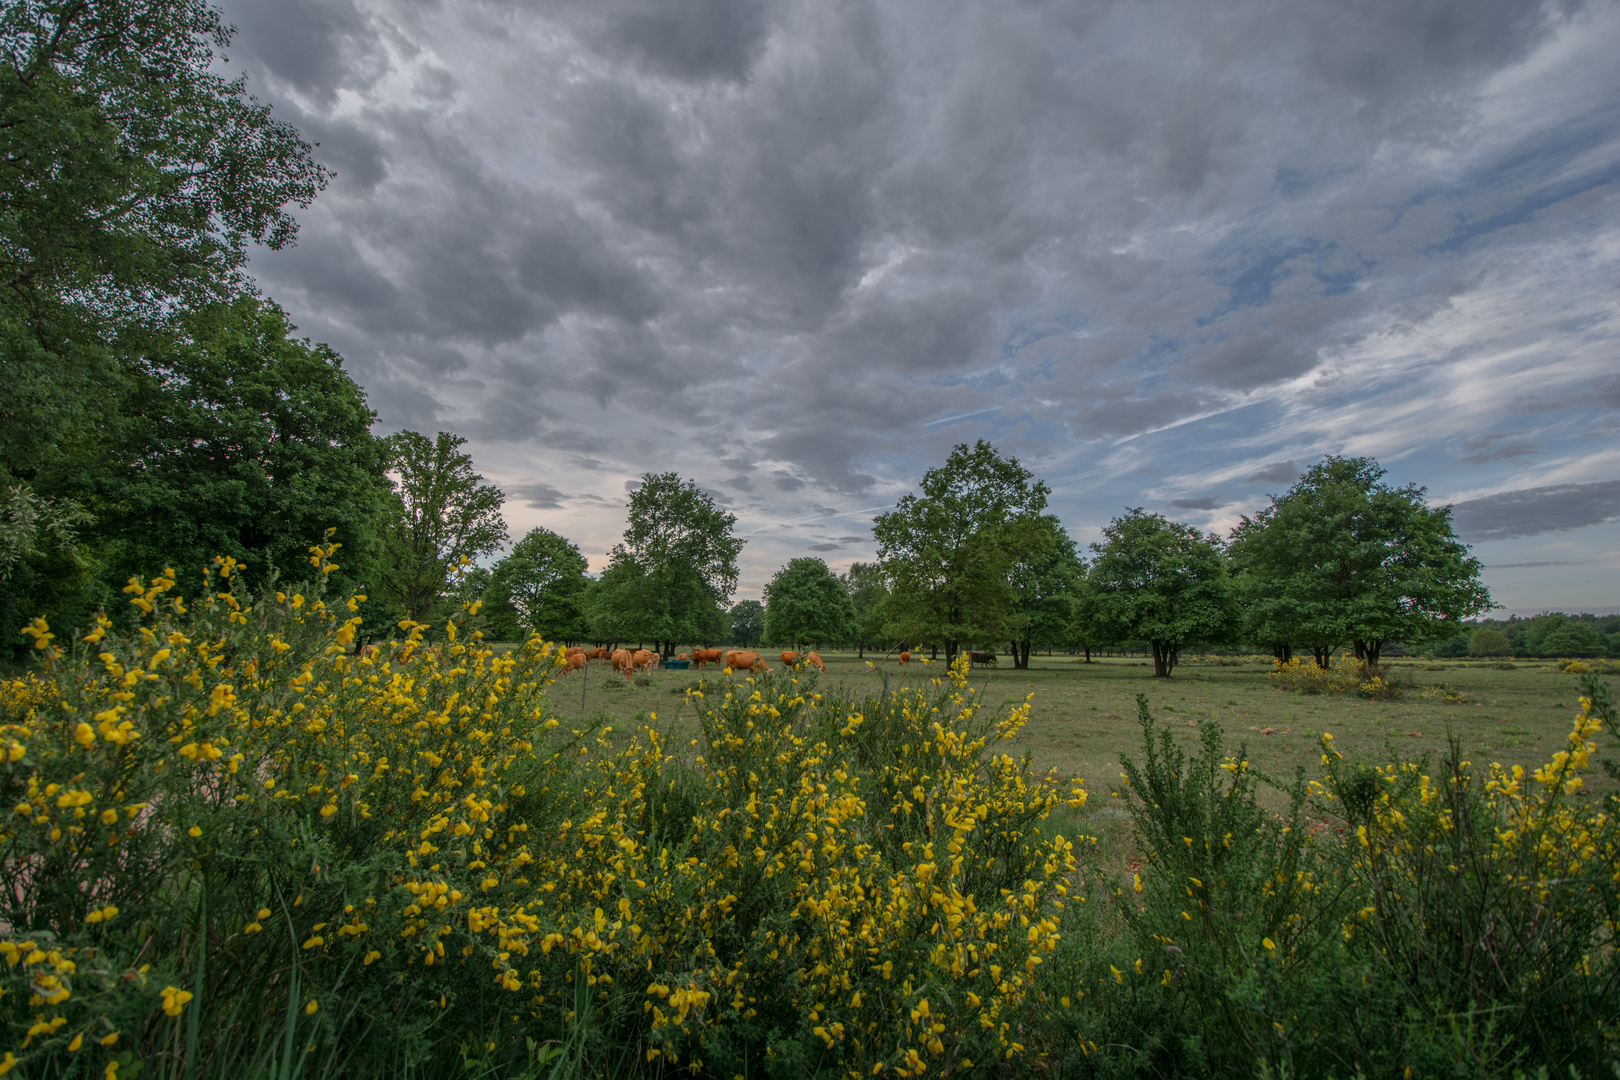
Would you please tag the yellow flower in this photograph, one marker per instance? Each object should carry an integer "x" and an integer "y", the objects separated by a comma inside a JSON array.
[
  {"x": 78, "y": 1041},
  {"x": 108, "y": 1040},
  {"x": 174, "y": 1000},
  {"x": 194, "y": 832},
  {"x": 309, "y": 1010}
]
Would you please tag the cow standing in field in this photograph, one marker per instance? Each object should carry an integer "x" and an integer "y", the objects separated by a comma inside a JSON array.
[
  {"x": 741, "y": 660},
  {"x": 576, "y": 662},
  {"x": 598, "y": 653},
  {"x": 982, "y": 659},
  {"x": 813, "y": 659},
  {"x": 644, "y": 660},
  {"x": 622, "y": 662},
  {"x": 705, "y": 656},
  {"x": 905, "y": 658},
  {"x": 789, "y": 657}
]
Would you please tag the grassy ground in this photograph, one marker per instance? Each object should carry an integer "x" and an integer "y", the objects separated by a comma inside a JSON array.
[{"x": 1084, "y": 715}]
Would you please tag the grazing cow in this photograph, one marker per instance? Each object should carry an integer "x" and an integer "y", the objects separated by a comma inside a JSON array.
[
  {"x": 976, "y": 657},
  {"x": 622, "y": 662},
  {"x": 705, "y": 656},
  {"x": 905, "y": 657},
  {"x": 576, "y": 662},
  {"x": 574, "y": 650},
  {"x": 644, "y": 659},
  {"x": 789, "y": 657},
  {"x": 741, "y": 660},
  {"x": 682, "y": 656},
  {"x": 598, "y": 653},
  {"x": 813, "y": 659}
]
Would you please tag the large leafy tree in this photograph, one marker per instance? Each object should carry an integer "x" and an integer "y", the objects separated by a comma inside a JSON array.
[
  {"x": 806, "y": 603},
  {"x": 1046, "y": 587},
  {"x": 538, "y": 586},
  {"x": 671, "y": 576},
  {"x": 133, "y": 179},
  {"x": 948, "y": 552},
  {"x": 444, "y": 516},
  {"x": 1343, "y": 556},
  {"x": 246, "y": 442},
  {"x": 1159, "y": 581},
  {"x": 868, "y": 595},
  {"x": 747, "y": 618}
]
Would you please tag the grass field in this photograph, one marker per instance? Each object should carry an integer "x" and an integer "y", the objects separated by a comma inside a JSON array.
[{"x": 1084, "y": 715}]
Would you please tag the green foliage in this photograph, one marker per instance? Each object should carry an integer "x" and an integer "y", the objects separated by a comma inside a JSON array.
[
  {"x": 444, "y": 516},
  {"x": 948, "y": 553},
  {"x": 249, "y": 443},
  {"x": 668, "y": 580},
  {"x": 747, "y": 623},
  {"x": 1046, "y": 584},
  {"x": 806, "y": 603},
  {"x": 1488, "y": 642},
  {"x": 868, "y": 596},
  {"x": 538, "y": 587},
  {"x": 1343, "y": 556},
  {"x": 1158, "y": 581}
]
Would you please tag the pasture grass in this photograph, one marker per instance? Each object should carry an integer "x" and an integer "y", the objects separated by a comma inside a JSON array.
[{"x": 1084, "y": 716}]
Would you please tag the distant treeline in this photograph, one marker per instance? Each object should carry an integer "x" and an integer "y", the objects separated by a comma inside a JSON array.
[{"x": 1550, "y": 634}]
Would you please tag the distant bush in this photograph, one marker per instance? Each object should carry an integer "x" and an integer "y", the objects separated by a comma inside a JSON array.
[
  {"x": 1347, "y": 675},
  {"x": 1488, "y": 642}
]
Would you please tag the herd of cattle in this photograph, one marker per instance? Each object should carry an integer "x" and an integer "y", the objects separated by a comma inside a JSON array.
[{"x": 628, "y": 663}]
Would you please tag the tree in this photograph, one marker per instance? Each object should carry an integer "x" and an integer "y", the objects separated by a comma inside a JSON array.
[
  {"x": 133, "y": 177},
  {"x": 806, "y": 603},
  {"x": 445, "y": 515},
  {"x": 868, "y": 595},
  {"x": 1342, "y": 556},
  {"x": 1575, "y": 639},
  {"x": 948, "y": 553},
  {"x": 747, "y": 623},
  {"x": 1046, "y": 588},
  {"x": 1159, "y": 581},
  {"x": 1488, "y": 642},
  {"x": 676, "y": 567},
  {"x": 538, "y": 587},
  {"x": 246, "y": 442}
]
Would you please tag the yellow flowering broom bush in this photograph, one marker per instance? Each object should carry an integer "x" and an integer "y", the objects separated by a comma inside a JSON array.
[{"x": 236, "y": 843}]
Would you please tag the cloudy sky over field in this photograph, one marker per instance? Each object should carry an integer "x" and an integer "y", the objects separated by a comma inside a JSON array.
[{"x": 1167, "y": 253}]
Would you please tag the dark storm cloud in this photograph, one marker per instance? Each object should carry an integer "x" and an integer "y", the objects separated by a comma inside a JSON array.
[
  {"x": 685, "y": 39},
  {"x": 1530, "y": 511},
  {"x": 1280, "y": 472},
  {"x": 316, "y": 46},
  {"x": 539, "y": 496}
]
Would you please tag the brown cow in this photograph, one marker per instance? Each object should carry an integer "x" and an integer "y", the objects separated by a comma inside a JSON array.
[
  {"x": 705, "y": 656},
  {"x": 789, "y": 657},
  {"x": 598, "y": 653},
  {"x": 576, "y": 662},
  {"x": 644, "y": 659},
  {"x": 905, "y": 657},
  {"x": 976, "y": 657},
  {"x": 743, "y": 660},
  {"x": 813, "y": 659},
  {"x": 682, "y": 656},
  {"x": 622, "y": 662}
]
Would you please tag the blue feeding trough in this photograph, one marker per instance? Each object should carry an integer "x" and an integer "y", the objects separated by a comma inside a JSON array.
[{"x": 676, "y": 665}]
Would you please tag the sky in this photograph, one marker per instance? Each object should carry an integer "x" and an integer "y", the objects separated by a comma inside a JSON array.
[{"x": 1167, "y": 253}]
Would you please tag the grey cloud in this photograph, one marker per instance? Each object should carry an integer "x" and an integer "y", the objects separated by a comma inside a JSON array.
[
  {"x": 1140, "y": 414},
  {"x": 1251, "y": 359},
  {"x": 693, "y": 40},
  {"x": 1499, "y": 446},
  {"x": 539, "y": 496},
  {"x": 1607, "y": 392},
  {"x": 1209, "y": 503},
  {"x": 786, "y": 481},
  {"x": 1531, "y": 511},
  {"x": 317, "y": 46},
  {"x": 1279, "y": 472},
  {"x": 826, "y": 547}
]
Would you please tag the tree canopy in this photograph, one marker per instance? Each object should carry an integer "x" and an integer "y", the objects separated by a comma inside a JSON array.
[
  {"x": 538, "y": 587},
  {"x": 1158, "y": 581},
  {"x": 1046, "y": 588},
  {"x": 806, "y": 603},
  {"x": 747, "y": 618},
  {"x": 444, "y": 515},
  {"x": 868, "y": 595},
  {"x": 670, "y": 577},
  {"x": 1343, "y": 556},
  {"x": 948, "y": 552}
]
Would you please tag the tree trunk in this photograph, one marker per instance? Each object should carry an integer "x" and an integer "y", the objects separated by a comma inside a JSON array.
[
  {"x": 1368, "y": 650},
  {"x": 1283, "y": 651},
  {"x": 1088, "y": 654},
  {"x": 936, "y": 652},
  {"x": 1164, "y": 659},
  {"x": 950, "y": 653},
  {"x": 1323, "y": 655}
]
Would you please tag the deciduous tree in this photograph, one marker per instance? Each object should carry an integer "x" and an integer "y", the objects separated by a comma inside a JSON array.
[
  {"x": 948, "y": 552},
  {"x": 868, "y": 595},
  {"x": 1159, "y": 581},
  {"x": 806, "y": 603},
  {"x": 1343, "y": 556},
  {"x": 1045, "y": 590},
  {"x": 538, "y": 587},
  {"x": 747, "y": 623},
  {"x": 444, "y": 515}
]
